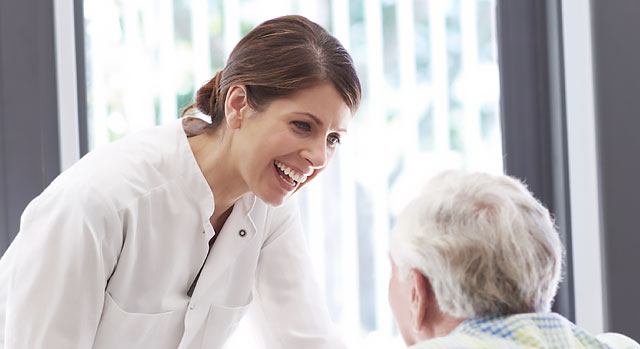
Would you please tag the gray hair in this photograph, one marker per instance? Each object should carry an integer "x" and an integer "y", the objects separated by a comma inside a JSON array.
[{"x": 487, "y": 246}]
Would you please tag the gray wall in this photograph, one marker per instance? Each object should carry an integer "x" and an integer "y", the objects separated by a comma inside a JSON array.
[
  {"x": 616, "y": 52},
  {"x": 29, "y": 157},
  {"x": 533, "y": 114}
]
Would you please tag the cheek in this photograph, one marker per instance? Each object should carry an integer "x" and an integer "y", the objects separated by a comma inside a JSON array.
[
  {"x": 281, "y": 143},
  {"x": 330, "y": 154},
  {"x": 399, "y": 302},
  {"x": 396, "y": 297},
  {"x": 265, "y": 149}
]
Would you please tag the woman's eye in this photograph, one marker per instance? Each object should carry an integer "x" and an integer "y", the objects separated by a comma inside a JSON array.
[
  {"x": 333, "y": 140},
  {"x": 302, "y": 126}
]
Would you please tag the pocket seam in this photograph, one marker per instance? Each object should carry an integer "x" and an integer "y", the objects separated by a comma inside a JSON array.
[{"x": 122, "y": 310}]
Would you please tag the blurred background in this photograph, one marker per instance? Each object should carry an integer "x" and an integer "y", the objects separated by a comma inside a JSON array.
[
  {"x": 145, "y": 60},
  {"x": 491, "y": 85},
  {"x": 431, "y": 101}
]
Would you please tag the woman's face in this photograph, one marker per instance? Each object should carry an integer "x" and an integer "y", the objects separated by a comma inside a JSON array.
[{"x": 285, "y": 145}]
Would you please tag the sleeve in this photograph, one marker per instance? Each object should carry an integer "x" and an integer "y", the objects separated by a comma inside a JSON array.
[
  {"x": 290, "y": 309},
  {"x": 617, "y": 340},
  {"x": 58, "y": 269}
]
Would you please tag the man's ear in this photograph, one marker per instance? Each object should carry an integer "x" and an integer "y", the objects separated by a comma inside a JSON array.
[
  {"x": 235, "y": 105},
  {"x": 421, "y": 298}
]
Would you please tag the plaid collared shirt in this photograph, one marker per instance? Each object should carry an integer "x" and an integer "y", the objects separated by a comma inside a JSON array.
[{"x": 533, "y": 330}]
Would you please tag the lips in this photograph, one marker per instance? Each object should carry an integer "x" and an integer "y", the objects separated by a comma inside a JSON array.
[{"x": 286, "y": 179}]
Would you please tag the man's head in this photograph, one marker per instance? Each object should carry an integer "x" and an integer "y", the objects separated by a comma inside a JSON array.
[{"x": 471, "y": 244}]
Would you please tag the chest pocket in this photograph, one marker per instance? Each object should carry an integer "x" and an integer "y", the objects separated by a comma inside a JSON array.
[
  {"x": 121, "y": 329},
  {"x": 221, "y": 323}
]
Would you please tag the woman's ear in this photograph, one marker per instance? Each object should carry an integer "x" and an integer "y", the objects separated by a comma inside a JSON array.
[
  {"x": 421, "y": 298},
  {"x": 235, "y": 105}
]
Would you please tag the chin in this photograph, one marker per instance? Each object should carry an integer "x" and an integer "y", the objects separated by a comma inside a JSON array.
[{"x": 273, "y": 200}]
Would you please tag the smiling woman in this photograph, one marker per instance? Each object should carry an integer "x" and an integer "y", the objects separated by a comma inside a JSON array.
[
  {"x": 270, "y": 152},
  {"x": 169, "y": 234},
  {"x": 299, "y": 134}
]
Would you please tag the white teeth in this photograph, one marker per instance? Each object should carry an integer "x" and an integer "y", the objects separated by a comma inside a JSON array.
[{"x": 298, "y": 177}]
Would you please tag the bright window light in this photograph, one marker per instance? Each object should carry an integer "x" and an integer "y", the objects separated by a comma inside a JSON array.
[{"x": 431, "y": 101}]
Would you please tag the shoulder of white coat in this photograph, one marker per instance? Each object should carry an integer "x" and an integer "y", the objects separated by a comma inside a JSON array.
[
  {"x": 69, "y": 195},
  {"x": 122, "y": 171}
]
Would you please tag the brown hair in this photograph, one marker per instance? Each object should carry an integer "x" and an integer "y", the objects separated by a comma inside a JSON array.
[{"x": 275, "y": 60}]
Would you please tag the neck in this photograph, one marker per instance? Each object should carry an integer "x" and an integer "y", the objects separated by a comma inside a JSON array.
[
  {"x": 446, "y": 326},
  {"x": 439, "y": 325},
  {"x": 211, "y": 151}
]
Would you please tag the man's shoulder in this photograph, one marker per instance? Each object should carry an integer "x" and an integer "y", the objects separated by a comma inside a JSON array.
[{"x": 515, "y": 331}]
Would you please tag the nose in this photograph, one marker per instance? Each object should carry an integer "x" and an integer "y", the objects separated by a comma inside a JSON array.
[{"x": 316, "y": 154}]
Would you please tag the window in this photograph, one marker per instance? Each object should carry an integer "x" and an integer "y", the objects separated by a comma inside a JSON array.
[{"x": 431, "y": 101}]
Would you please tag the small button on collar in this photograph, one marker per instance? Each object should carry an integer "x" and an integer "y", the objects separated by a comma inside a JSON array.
[{"x": 242, "y": 232}]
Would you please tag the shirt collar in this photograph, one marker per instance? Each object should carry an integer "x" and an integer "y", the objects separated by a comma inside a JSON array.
[{"x": 191, "y": 174}]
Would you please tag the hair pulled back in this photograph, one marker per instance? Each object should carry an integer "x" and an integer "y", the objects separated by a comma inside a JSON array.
[{"x": 275, "y": 60}]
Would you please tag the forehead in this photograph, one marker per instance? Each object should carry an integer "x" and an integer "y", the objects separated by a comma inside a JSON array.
[{"x": 323, "y": 101}]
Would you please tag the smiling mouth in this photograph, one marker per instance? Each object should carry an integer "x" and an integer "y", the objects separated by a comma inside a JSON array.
[{"x": 288, "y": 175}]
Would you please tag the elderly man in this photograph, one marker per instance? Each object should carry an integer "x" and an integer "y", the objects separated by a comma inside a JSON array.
[{"x": 476, "y": 262}]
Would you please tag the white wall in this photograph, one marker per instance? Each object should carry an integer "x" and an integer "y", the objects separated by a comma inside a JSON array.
[
  {"x": 66, "y": 79},
  {"x": 583, "y": 171}
]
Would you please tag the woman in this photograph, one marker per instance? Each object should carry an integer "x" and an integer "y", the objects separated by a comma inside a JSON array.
[{"x": 162, "y": 240}]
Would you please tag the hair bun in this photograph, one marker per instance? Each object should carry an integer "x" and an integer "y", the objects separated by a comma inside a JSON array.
[{"x": 207, "y": 95}]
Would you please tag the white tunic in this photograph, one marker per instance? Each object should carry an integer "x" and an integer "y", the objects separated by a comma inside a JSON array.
[{"x": 106, "y": 254}]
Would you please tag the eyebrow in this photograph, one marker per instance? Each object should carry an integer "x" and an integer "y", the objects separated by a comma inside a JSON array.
[{"x": 318, "y": 121}]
